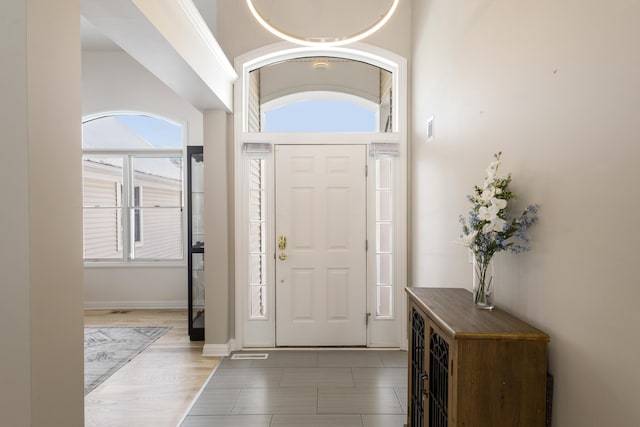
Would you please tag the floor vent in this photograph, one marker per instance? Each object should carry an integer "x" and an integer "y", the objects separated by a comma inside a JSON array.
[{"x": 250, "y": 356}]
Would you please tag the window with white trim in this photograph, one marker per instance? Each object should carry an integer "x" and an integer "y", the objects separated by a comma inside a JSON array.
[
  {"x": 132, "y": 189},
  {"x": 257, "y": 239},
  {"x": 384, "y": 237},
  {"x": 255, "y": 155}
]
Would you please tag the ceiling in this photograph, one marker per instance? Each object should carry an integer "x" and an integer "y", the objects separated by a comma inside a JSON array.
[
  {"x": 182, "y": 52},
  {"x": 93, "y": 39}
]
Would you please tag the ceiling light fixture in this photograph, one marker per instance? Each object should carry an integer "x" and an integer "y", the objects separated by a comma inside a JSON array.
[
  {"x": 320, "y": 65},
  {"x": 323, "y": 42}
]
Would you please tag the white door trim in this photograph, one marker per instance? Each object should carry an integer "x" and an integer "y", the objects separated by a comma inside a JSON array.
[{"x": 279, "y": 52}]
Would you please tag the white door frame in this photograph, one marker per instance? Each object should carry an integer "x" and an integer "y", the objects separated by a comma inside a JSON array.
[{"x": 262, "y": 332}]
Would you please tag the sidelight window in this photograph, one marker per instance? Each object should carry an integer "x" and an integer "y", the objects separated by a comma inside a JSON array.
[{"x": 384, "y": 237}]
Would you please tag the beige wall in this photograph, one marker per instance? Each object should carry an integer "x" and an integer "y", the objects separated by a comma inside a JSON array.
[
  {"x": 554, "y": 85},
  {"x": 113, "y": 81},
  {"x": 219, "y": 297},
  {"x": 15, "y": 310},
  {"x": 41, "y": 292}
]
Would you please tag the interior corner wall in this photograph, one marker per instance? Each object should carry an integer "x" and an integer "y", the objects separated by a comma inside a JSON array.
[
  {"x": 554, "y": 86},
  {"x": 113, "y": 81},
  {"x": 40, "y": 216}
]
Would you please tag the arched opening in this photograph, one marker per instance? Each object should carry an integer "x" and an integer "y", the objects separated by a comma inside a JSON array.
[{"x": 132, "y": 189}]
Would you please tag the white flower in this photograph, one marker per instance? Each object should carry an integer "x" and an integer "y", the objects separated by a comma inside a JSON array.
[
  {"x": 487, "y": 195},
  {"x": 467, "y": 240},
  {"x": 498, "y": 224},
  {"x": 488, "y": 213},
  {"x": 490, "y": 224},
  {"x": 492, "y": 169},
  {"x": 499, "y": 203}
]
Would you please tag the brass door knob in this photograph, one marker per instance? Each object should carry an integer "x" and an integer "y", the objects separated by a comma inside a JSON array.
[{"x": 282, "y": 256}]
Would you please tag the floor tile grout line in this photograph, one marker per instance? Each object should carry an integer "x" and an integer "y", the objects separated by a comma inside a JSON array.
[{"x": 235, "y": 401}]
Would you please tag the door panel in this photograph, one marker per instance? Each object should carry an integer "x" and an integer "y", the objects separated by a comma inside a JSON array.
[{"x": 321, "y": 272}]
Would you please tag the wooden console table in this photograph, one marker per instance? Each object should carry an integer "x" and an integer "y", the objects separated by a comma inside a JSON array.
[{"x": 472, "y": 367}]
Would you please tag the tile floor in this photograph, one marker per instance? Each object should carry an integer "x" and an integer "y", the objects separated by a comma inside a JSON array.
[{"x": 340, "y": 388}]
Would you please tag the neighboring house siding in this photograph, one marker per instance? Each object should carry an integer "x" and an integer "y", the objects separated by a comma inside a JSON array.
[
  {"x": 161, "y": 215},
  {"x": 102, "y": 226}
]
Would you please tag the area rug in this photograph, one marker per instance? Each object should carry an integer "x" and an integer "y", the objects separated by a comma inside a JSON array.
[{"x": 108, "y": 348}]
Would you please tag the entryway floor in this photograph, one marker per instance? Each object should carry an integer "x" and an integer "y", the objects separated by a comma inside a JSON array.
[{"x": 342, "y": 388}]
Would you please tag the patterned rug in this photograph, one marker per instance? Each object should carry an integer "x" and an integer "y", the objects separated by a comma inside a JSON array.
[{"x": 108, "y": 348}]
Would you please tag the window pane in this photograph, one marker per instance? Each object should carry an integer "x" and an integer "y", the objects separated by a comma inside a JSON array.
[
  {"x": 160, "y": 179},
  {"x": 258, "y": 301},
  {"x": 256, "y": 237},
  {"x": 320, "y": 115},
  {"x": 256, "y": 205},
  {"x": 103, "y": 233},
  {"x": 383, "y": 212},
  {"x": 256, "y": 268},
  {"x": 102, "y": 181},
  {"x": 131, "y": 131},
  {"x": 383, "y": 173},
  {"x": 160, "y": 234},
  {"x": 384, "y": 237},
  {"x": 384, "y": 269},
  {"x": 385, "y": 301}
]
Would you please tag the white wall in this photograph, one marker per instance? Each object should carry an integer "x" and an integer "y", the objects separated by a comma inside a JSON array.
[
  {"x": 113, "y": 81},
  {"x": 40, "y": 217},
  {"x": 554, "y": 85}
]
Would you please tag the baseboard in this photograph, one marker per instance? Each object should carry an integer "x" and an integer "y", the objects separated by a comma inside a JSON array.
[
  {"x": 134, "y": 305},
  {"x": 218, "y": 350}
]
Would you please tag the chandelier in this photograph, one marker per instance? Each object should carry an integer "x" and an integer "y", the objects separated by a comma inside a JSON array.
[{"x": 293, "y": 20}]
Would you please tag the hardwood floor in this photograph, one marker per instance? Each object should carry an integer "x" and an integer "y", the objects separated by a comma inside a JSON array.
[{"x": 157, "y": 387}]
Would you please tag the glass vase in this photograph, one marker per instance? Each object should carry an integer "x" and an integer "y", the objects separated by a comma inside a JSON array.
[{"x": 483, "y": 283}]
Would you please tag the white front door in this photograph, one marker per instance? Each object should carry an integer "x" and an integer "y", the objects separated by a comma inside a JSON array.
[{"x": 320, "y": 245}]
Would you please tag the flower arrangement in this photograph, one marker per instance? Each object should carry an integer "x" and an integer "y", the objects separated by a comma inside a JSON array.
[{"x": 491, "y": 228}]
